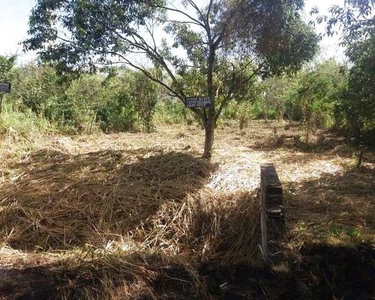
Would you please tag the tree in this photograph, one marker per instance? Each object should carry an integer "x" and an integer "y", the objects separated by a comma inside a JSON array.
[
  {"x": 37, "y": 87},
  {"x": 316, "y": 94},
  {"x": 268, "y": 33},
  {"x": 359, "y": 97},
  {"x": 357, "y": 21}
]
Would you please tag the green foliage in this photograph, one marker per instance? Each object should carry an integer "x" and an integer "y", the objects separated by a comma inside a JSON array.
[
  {"x": 118, "y": 101},
  {"x": 358, "y": 103},
  {"x": 130, "y": 99},
  {"x": 170, "y": 111},
  {"x": 6, "y": 65},
  {"x": 274, "y": 103},
  {"x": 23, "y": 124},
  {"x": 119, "y": 113},
  {"x": 316, "y": 94},
  {"x": 145, "y": 95},
  {"x": 36, "y": 87},
  {"x": 356, "y": 20},
  {"x": 86, "y": 96},
  {"x": 275, "y": 32}
]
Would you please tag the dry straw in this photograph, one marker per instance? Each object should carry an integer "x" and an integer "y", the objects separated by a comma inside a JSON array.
[{"x": 143, "y": 200}]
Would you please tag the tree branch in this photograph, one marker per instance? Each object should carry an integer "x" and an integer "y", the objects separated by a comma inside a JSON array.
[
  {"x": 228, "y": 96},
  {"x": 194, "y": 20}
]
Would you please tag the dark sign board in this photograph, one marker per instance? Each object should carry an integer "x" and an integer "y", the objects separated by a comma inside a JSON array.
[
  {"x": 5, "y": 87},
  {"x": 198, "y": 101}
]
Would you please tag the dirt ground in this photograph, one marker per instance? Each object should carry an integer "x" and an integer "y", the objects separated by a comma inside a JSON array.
[{"x": 141, "y": 216}]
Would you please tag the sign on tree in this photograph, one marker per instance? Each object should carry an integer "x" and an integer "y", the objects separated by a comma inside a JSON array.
[
  {"x": 198, "y": 101},
  {"x": 5, "y": 87}
]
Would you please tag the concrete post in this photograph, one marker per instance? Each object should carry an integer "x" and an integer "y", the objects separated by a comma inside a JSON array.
[{"x": 272, "y": 210}]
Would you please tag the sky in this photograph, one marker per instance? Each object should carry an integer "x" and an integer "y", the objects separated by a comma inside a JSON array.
[{"x": 14, "y": 16}]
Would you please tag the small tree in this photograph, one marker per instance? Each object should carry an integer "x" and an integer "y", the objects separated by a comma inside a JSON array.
[
  {"x": 145, "y": 94},
  {"x": 316, "y": 94},
  {"x": 268, "y": 33}
]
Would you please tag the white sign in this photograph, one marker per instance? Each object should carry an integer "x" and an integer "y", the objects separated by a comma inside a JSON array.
[
  {"x": 198, "y": 101},
  {"x": 5, "y": 87}
]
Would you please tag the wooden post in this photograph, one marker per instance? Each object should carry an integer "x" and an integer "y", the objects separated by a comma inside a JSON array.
[{"x": 272, "y": 210}]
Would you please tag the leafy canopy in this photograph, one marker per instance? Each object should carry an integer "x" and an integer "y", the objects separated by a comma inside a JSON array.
[
  {"x": 207, "y": 37},
  {"x": 82, "y": 33}
]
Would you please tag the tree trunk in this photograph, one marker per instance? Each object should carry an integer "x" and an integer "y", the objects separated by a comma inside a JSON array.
[
  {"x": 355, "y": 131},
  {"x": 308, "y": 125},
  {"x": 308, "y": 131},
  {"x": 210, "y": 120},
  {"x": 92, "y": 122},
  {"x": 1, "y": 103},
  {"x": 360, "y": 158},
  {"x": 209, "y": 128}
]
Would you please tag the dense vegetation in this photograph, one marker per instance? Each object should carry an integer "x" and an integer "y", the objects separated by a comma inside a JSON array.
[
  {"x": 321, "y": 96},
  {"x": 250, "y": 69}
]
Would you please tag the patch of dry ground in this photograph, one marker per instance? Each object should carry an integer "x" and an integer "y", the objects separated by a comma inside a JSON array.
[{"x": 142, "y": 216}]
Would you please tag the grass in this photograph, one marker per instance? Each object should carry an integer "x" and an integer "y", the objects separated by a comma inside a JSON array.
[{"x": 142, "y": 216}]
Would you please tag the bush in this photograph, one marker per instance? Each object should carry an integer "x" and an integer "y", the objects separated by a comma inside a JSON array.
[
  {"x": 170, "y": 111},
  {"x": 23, "y": 124},
  {"x": 118, "y": 115}
]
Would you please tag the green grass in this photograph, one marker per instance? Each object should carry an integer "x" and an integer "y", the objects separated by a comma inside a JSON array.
[{"x": 23, "y": 124}]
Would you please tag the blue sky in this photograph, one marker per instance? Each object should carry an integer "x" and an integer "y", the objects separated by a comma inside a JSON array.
[{"x": 14, "y": 25}]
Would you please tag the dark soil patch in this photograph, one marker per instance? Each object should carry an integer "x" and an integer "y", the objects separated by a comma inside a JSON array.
[
  {"x": 28, "y": 283},
  {"x": 339, "y": 272},
  {"x": 320, "y": 272}
]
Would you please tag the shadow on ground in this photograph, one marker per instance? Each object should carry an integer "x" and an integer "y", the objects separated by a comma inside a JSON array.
[
  {"x": 58, "y": 200},
  {"x": 322, "y": 272},
  {"x": 341, "y": 206}
]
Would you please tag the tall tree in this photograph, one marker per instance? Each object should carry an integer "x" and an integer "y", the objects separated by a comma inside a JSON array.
[{"x": 268, "y": 34}]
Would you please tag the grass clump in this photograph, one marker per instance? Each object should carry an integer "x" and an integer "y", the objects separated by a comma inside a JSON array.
[{"x": 23, "y": 124}]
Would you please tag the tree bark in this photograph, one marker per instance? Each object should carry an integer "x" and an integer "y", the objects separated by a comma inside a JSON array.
[
  {"x": 355, "y": 131},
  {"x": 210, "y": 120},
  {"x": 209, "y": 128},
  {"x": 92, "y": 122},
  {"x": 360, "y": 158},
  {"x": 1, "y": 103},
  {"x": 308, "y": 125}
]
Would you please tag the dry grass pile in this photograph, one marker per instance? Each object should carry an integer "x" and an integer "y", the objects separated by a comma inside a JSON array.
[
  {"x": 133, "y": 200},
  {"x": 117, "y": 220},
  {"x": 149, "y": 219}
]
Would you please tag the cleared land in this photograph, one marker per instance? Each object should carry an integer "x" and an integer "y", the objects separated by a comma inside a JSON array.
[{"x": 142, "y": 216}]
